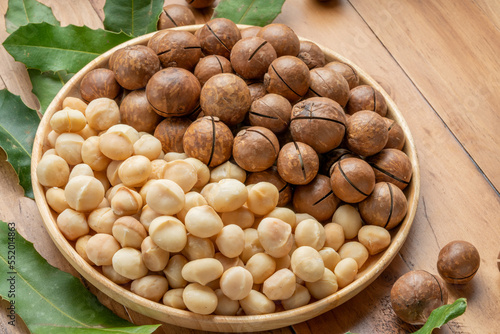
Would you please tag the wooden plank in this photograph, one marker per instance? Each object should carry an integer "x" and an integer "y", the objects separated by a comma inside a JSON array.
[
  {"x": 449, "y": 49},
  {"x": 491, "y": 9}
]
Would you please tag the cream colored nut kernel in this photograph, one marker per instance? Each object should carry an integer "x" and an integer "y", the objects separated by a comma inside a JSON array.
[
  {"x": 355, "y": 250},
  {"x": 326, "y": 286},
  {"x": 52, "y": 138},
  {"x": 349, "y": 218},
  {"x": 300, "y": 297},
  {"x": 92, "y": 155},
  {"x": 285, "y": 214},
  {"x": 102, "y": 220},
  {"x": 147, "y": 216},
  {"x": 330, "y": 257},
  {"x": 225, "y": 305},
  {"x": 101, "y": 177},
  {"x": 81, "y": 169},
  {"x": 104, "y": 204},
  {"x": 307, "y": 264},
  {"x": 261, "y": 266},
  {"x": 228, "y": 170},
  {"x": 181, "y": 172},
  {"x": 112, "y": 172},
  {"x": 173, "y": 271},
  {"x": 127, "y": 130},
  {"x": 69, "y": 147},
  {"x": 231, "y": 240},
  {"x": 172, "y": 156},
  {"x": 101, "y": 248},
  {"x": 157, "y": 169},
  {"x": 302, "y": 216},
  {"x": 283, "y": 262},
  {"x": 74, "y": 103},
  {"x": 84, "y": 193},
  {"x": 165, "y": 197},
  {"x": 346, "y": 271},
  {"x": 129, "y": 232},
  {"x": 202, "y": 271},
  {"x": 242, "y": 217},
  {"x": 168, "y": 233},
  {"x": 334, "y": 236},
  {"x": 128, "y": 263},
  {"x": 52, "y": 171},
  {"x": 56, "y": 199},
  {"x": 110, "y": 273},
  {"x": 87, "y": 132},
  {"x": 191, "y": 200},
  {"x": 202, "y": 172},
  {"x": 113, "y": 190},
  {"x": 155, "y": 258},
  {"x": 145, "y": 188},
  {"x": 374, "y": 238},
  {"x": 310, "y": 232},
  {"x": 203, "y": 221},
  {"x": 228, "y": 262},
  {"x": 134, "y": 171},
  {"x": 126, "y": 202},
  {"x": 252, "y": 244},
  {"x": 80, "y": 247},
  {"x": 226, "y": 195},
  {"x": 257, "y": 303},
  {"x": 116, "y": 146},
  {"x": 151, "y": 287},
  {"x": 198, "y": 248},
  {"x": 102, "y": 113},
  {"x": 262, "y": 198},
  {"x": 199, "y": 299},
  {"x": 280, "y": 285},
  {"x": 173, "y": 298},
  {"x": 49, "y": 152},
  {"x": 148, "y": 146},
  {"x": 275, "y": 236},
  {"x": 236, "y": 283},
  {"x": 67, "y": 120}
]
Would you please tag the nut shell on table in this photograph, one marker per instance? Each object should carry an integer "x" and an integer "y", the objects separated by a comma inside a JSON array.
[
  {"x": 311, "y": 54},
  {"x": 392, "y": 165},
  {"x": 271, "y": 175},
  {"x": 298, "y": 163},
  {"x": 386, "y": 206},
  {"x": 346, "y": 71},
  {"x": 255, "y": 148},
  {"x": 366, "y": 133},
  {"x": 327, "y": 83},
  {"x": 173, "y": 92},
  {"x": 365, "y": 97},
  {"x": 288, "y": 76},
  {"x": 136, "y": 111},
  {"x": 227, "y": 97},
  {"x": 396, "y": 135},
  {"x": 218, "y": 36},
  {"x": 134, "y": 65},
  {"x": 175, "y": 16},
  {"x": 318, "y": 122},
  {"x": 458, "y": 262},
  {"x": 352, "y": 180},
  {"x": 98, "y": 83},
  {"x": 416, "y": 294},
  {"x": 271, "y": 111},
  {"x": 283, "y": 39},
  {"x": 178, "y": 49},
  {"x": 211, "y": 65},
  {"x": 208, "y": 140},
  {"x": 316, "y": 198},
  {"x": 251, "y": 57},
  {"x": 170, "y": 132}
]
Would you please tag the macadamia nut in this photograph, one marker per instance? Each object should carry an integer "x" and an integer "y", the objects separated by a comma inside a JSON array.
[{"x": 236, "y": 283}]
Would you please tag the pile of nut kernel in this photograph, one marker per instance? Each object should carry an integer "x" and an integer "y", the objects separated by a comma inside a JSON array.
[{"x": 226, "y": 172}]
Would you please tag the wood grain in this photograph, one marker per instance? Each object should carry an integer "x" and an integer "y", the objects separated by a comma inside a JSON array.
[{"x": 457, "y": 202}]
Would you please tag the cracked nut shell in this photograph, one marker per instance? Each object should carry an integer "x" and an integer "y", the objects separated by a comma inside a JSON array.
[
  {"x": 288, "y": 76},
  {"x": 251, "y": 57},
  {"x": 316, "y": 198},
  {"x": 170, "y": 132},
  {"x": 327, "y": 83},
  {"x": 211, "y": 65},
  {"x": 391, "y": 165},
  {"x": 298, "y": 163},
  {"x": 458, "y": 262},
  {"x": 346, "y": 71},
  {"x": 255, "y": 148},
  {"x": 366, "y": 133},
  {"x": 175, "y": 16},
  {"x": 271, "y": 111},
  {"x": 178, "y": 49},
  {"x": 311, "y": 54},
  {"x": 98, "y": 83},
  {"x": 366, "y": 97},
  {"x": 134, "y": 65},
  {"x": 283, "y": 39},
  {"x": 352, "y": 180},
  {"x": 136, "y": 111},
  {"x": 218, "y": 36}
]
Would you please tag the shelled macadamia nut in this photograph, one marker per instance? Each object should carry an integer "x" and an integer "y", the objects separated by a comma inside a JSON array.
[
  {"x": 126, "y": 201},
  {"x": 241, "y": 217},
  {"x": 252, "y": 244},
  {"x": 101, "y": 248},
  {"x": 56, "y": 199},
  {"x": 307, "y": 264},
  {"x": 198, "y": 248},
  {"x": 230, "y": 240},
  {"x": 173, "y": 298},
  {"x": 354, "y": 250},
  {"x": 102, "y": 220},
  {"x": 128, "y": 263},
  {"x": 102, "y": 113},
  {"x": 271, "y": 175},
  {"x": 111, "y": 274},
  {"x": 325, "y": 286},
  {"x": 192, "y": 199},
  {"x": 199, "y": 299},
  {"x": 261, "y": 266},
  {"x": 203, "y": 221},
  {"x": 228, "y": 170},
  {"x": 69, "y": 147},
  {"x": 236, "y": 283},
  {"x": 225, "y": 195},
  {"x": 275, "y": 236},
  {"x": 349, "y": 218},
  {"x": 165, "y": 197},
  {"x": 257, "y": 303},
  {"x": 203, "y": 173},
  {"x": 92, "y": 155},
  {"x": 72, "y": 224},
  {"x": 67, "y": 120},
  {"x": 310, "y": 233},
  {"x": 181, "y": 172},
  {"x": 300, "y": 297},
  {"x": 202, "y": 271},
  {"x": 52, "y": 171},
  {"x": 168, "y": 233},
  {"x": 374, "y": 238},
  {"x": 129, "y": 232},
  {"x": 280, "y": 285},
  {"x": 80, "y": 247},
  {"x": 173, "y": 271},
  {"x": 148, "y": 146},
  {"x": 74, "y": 103},
  {"x": 285, "y": 214},
  {"x": 84, "y": 193},
  {"x": 135, "y": 171},
  {"x": 346, "y": 271},
  {"x": 151, "y": 287},
  {"x": 330, "y": 257},
  {"x": 262, "y": 198},
  {"x": 225, "y": 305}
]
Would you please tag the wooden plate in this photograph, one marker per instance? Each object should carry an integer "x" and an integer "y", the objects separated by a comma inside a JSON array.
[{"x": 371, "y": 270}]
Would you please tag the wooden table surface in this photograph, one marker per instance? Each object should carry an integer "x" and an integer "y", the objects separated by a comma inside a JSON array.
[{"x": 439, "y": 60}]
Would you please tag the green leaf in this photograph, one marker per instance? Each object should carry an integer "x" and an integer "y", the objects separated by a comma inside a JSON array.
[
  {"x": 51, "y": 301},
  {"x": 442, "y": 315},
  {"x": 134, "y": 17},
  {"x": 46, "y": 85},
  {"x": 22, "y": 12},
  {"x": 50, "y": 48},
  {"x": 18, "y": 125},
  {"x": 253, "y": 12}
]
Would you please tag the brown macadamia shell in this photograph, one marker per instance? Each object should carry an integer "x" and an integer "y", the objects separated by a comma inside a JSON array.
[
  {"x": 298, "y": 163},
  {"x": 255, "y": 148},
  {"x": 365, "y": 97}
]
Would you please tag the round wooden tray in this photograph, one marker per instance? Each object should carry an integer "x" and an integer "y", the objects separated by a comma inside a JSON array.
[{"x": 370, "y": 270}]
